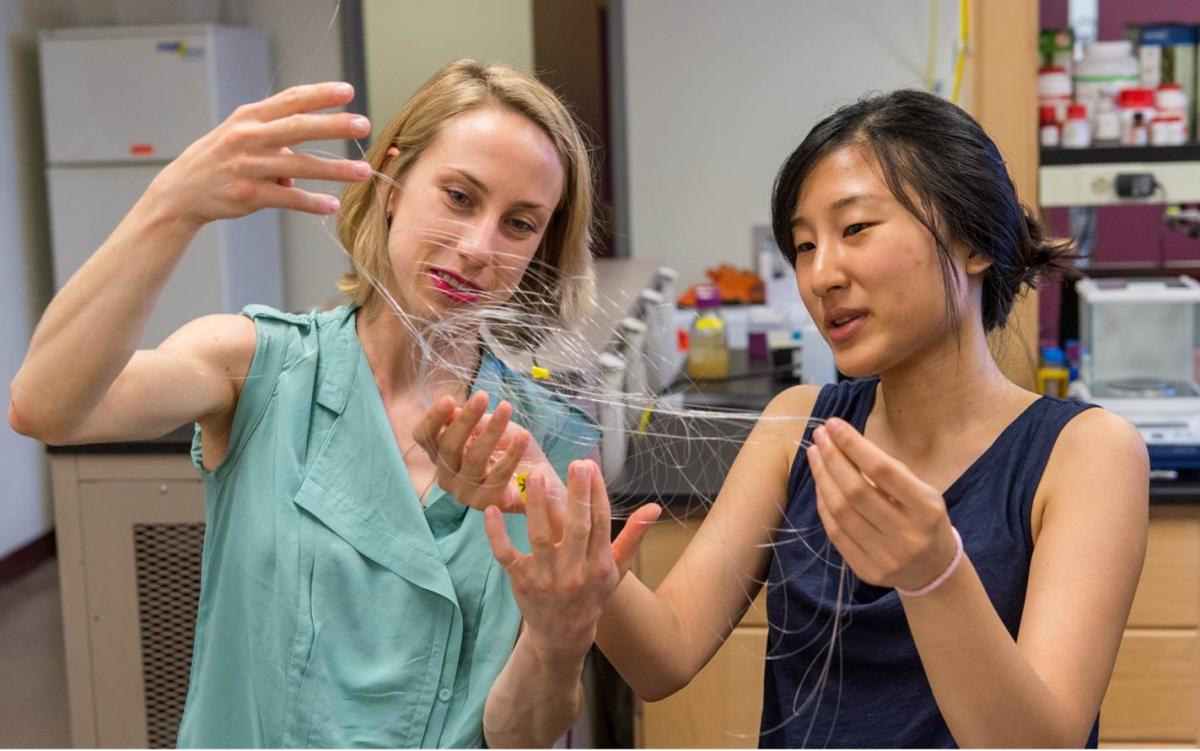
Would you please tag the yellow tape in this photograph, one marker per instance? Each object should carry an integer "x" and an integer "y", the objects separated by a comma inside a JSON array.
[
  {"x": 645, "y": 421},
  {"x": 539, "y": 374},
  {"x": 522, "y": 481}
]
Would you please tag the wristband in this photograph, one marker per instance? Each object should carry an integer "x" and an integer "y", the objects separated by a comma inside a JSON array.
[{"x": 941, "y": 579}]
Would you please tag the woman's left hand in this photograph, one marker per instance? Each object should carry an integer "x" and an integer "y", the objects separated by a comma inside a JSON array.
[
  {"x": 562, "y": 586},
  {"x": 890, "y": 527},
  {"x": 478, "y": 455}
]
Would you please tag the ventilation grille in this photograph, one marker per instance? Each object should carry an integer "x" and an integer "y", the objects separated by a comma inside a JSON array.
[{"x": 168, "y": 584}]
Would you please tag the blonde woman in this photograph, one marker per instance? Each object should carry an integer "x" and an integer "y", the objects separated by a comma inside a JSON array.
[{"x": 346, "y": 599}]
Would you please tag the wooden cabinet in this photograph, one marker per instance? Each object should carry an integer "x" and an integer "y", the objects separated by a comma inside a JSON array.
[
  {"x": 1154, "y": 696},
  {"x": 1152, "y": 701},
  {"x": 720, "y": 708}
]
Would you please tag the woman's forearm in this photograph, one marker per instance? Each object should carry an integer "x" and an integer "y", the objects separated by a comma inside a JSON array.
[
  {"x": 534, "y": 700},
  {"x": 987, "y": 691},
  {"x": 93, "y": 325},
  {"x": 640, "y": 634}
]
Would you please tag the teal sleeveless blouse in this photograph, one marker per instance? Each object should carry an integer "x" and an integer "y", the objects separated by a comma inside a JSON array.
[{"x": 334, "y": 610}]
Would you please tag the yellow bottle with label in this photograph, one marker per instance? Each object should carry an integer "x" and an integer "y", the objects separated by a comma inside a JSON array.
[
  {"x": 708, "y": 353},
  {"x": 1053, "y": 376}
]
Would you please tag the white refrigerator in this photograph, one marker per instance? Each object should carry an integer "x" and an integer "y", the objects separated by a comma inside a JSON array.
[{"x": 119, "y": 103}]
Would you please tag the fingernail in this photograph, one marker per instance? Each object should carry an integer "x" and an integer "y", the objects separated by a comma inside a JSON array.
[
  {"x": 332, "y": 204},
  {"x": 813, "y": 453},
  {"x": 833, "y": 425},
  {"x": 820, "y": 435},
  {"x": 363, "y": 169},
  {"x": 360, "y": 125},
  {"x": 343, "y": 89}
]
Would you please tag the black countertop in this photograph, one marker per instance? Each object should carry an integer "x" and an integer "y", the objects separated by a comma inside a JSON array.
[
  {"x": 178, "y": 441},
  {"x": 662, "y": 467},
  {"x": 671, "y": 462}
]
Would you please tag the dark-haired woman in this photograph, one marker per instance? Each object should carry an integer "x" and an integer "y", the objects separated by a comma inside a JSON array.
[
  {"x": 949, "y": 559},
  {"x": 993, "y": 538}
]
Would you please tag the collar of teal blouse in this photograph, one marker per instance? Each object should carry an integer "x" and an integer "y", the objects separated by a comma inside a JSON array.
[{"x": 360, "y": 488}]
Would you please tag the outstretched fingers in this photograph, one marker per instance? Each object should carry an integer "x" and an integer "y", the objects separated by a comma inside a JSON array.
[
  {"x": 430, "y": 426},
  {"x": 579, "y": 519},
  {"x": 502, "y": 548},
  {"x": 451, "y": 444},
  {"x": 303, "y": 98},
  {"x": 625, "y": 547}
]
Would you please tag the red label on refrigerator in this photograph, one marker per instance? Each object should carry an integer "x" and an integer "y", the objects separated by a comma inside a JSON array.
[{"x": 141, "y": 149}]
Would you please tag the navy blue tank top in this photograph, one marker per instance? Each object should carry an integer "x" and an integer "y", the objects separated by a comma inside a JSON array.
[{"x": 842, "y": 669}]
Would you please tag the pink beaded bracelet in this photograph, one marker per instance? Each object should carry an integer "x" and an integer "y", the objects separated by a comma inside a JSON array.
[{"x": 941, "y": 579}]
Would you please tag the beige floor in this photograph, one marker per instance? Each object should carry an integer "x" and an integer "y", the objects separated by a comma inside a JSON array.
[{"x": 33, "y": 680}]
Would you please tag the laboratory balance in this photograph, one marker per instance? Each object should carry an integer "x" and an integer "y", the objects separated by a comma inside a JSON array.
[{"x": 1139, "y": 340}]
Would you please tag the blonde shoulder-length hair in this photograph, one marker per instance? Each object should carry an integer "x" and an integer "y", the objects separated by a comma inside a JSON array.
[{"x": 563, "y": 283}]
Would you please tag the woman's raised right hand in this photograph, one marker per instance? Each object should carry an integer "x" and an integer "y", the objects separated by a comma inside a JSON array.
[{"x": 246, "y": 163}]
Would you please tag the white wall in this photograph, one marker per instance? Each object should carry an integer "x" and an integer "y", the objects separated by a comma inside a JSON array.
[
  {"x": 406, "y": 42},
  {"x": 25, "y": 510},
  {"x": 306, "y": 47},
  {"x": 718, "y": 93}
]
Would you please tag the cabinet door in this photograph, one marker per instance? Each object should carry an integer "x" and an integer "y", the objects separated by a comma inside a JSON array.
[
  {"x": 142, "y": 542},
  {"x": 663, "y": 545},
  {"x": 108, "y": 98},
  {"x": 722, "y": 705},
  {"x": 87, "y": 202},
  {"x": 1168, "y": 594},
  {"x": 1154, "y": 695}
]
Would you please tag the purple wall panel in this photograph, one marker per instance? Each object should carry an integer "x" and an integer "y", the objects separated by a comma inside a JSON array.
[
  {"x": 1052, "y": 14},
  {"x": 1114, "y": 14}
]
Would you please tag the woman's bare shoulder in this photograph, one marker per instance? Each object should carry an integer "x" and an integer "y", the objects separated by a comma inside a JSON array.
[{"x": 1099, "y": 464}]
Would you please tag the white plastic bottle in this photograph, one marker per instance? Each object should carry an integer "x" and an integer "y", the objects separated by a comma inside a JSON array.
[
  {"x": 1049, "y": 132},
  {"x": 816, "y": 357},
  {"x": 1106, "y": 68},
  {"x": 1076, "y": 133},
  {"x": 1172, "y": 102},
  {"x": 1054, "y": 90},
  {"x": 1106, "y": 125}
]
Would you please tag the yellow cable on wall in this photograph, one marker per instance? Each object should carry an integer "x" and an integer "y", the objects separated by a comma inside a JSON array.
[
  {"x": 960, "y": 58},
  {"x": 931, "y": 53}
]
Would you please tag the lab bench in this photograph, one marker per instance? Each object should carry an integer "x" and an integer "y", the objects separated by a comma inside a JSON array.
[{"x": 130, "y": 527}]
